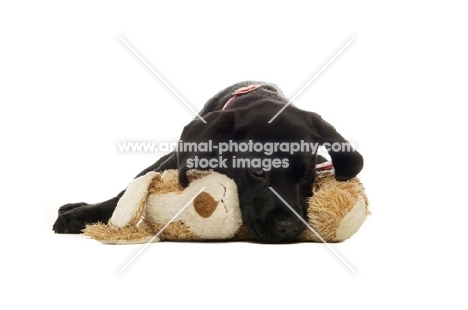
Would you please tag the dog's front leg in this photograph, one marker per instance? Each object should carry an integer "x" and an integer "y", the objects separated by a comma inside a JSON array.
[{"x": 73, "y": 217}]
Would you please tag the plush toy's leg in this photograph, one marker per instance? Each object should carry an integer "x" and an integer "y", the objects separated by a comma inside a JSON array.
[
  {"x": 337, "y": 210},
  {"x": 72, "y": 218},
  {"x": 352, "y": 221}
]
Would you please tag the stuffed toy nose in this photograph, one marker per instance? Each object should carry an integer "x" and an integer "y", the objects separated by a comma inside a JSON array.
[{"x": 205, "y": 205}]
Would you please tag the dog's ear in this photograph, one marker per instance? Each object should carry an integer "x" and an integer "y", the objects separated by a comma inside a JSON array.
[
  {"x": 346, "y": 160},
  {"x": 196, "y": 139}
]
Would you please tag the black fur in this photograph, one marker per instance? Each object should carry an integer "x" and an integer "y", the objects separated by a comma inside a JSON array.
[{"x": 246, "y": 119}]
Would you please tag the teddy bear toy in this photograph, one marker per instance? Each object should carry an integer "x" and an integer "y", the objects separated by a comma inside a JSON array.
[{"x": 155, "y": 207}]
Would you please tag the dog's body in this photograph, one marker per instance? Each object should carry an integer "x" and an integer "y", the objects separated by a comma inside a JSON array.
[{"x": 244, "y": 118}]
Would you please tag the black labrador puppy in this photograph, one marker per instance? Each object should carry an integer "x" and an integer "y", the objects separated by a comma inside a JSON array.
[{"x": 241, "y": 134}]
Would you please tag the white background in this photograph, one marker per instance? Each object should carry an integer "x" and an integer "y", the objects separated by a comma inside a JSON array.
[{"x": 70, "y": 90}]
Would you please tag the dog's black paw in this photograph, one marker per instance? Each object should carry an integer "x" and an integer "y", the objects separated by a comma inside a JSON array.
[
  {"x": 72, "y": 218},
  {"x": 70, "y": 206}
]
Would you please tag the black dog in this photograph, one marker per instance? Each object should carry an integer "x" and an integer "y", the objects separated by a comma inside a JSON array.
[{"x": 237, "y": 117}]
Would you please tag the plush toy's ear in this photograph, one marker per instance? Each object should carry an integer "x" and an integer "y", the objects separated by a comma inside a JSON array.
[
  {"x": 124, "y": 227},
  {"x": 132, "y": 204},
  {"x": 346, "y": 160},
  {"x": 195, "y": 139}
]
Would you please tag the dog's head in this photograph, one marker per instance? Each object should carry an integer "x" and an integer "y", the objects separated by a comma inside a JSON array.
[{"x": 271, "y": 174}]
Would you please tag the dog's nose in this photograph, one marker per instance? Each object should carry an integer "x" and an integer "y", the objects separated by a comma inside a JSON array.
[{"x": 287, "y": 228}]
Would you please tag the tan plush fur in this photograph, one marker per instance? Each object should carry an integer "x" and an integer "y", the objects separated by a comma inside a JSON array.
[
  {"x": 142, "y": 233},
  {"x": 331, "y": 202}
]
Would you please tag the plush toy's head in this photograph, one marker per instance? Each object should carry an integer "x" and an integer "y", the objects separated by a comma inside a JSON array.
[
  {"x": 211, "y": 206},
  {"x": 156, "y": 207}
]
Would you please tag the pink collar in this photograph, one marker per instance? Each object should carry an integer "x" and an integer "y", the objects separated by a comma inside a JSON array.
[
  {"x": 324, "y": 166},
  {"x": 241, "y": 91}
]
